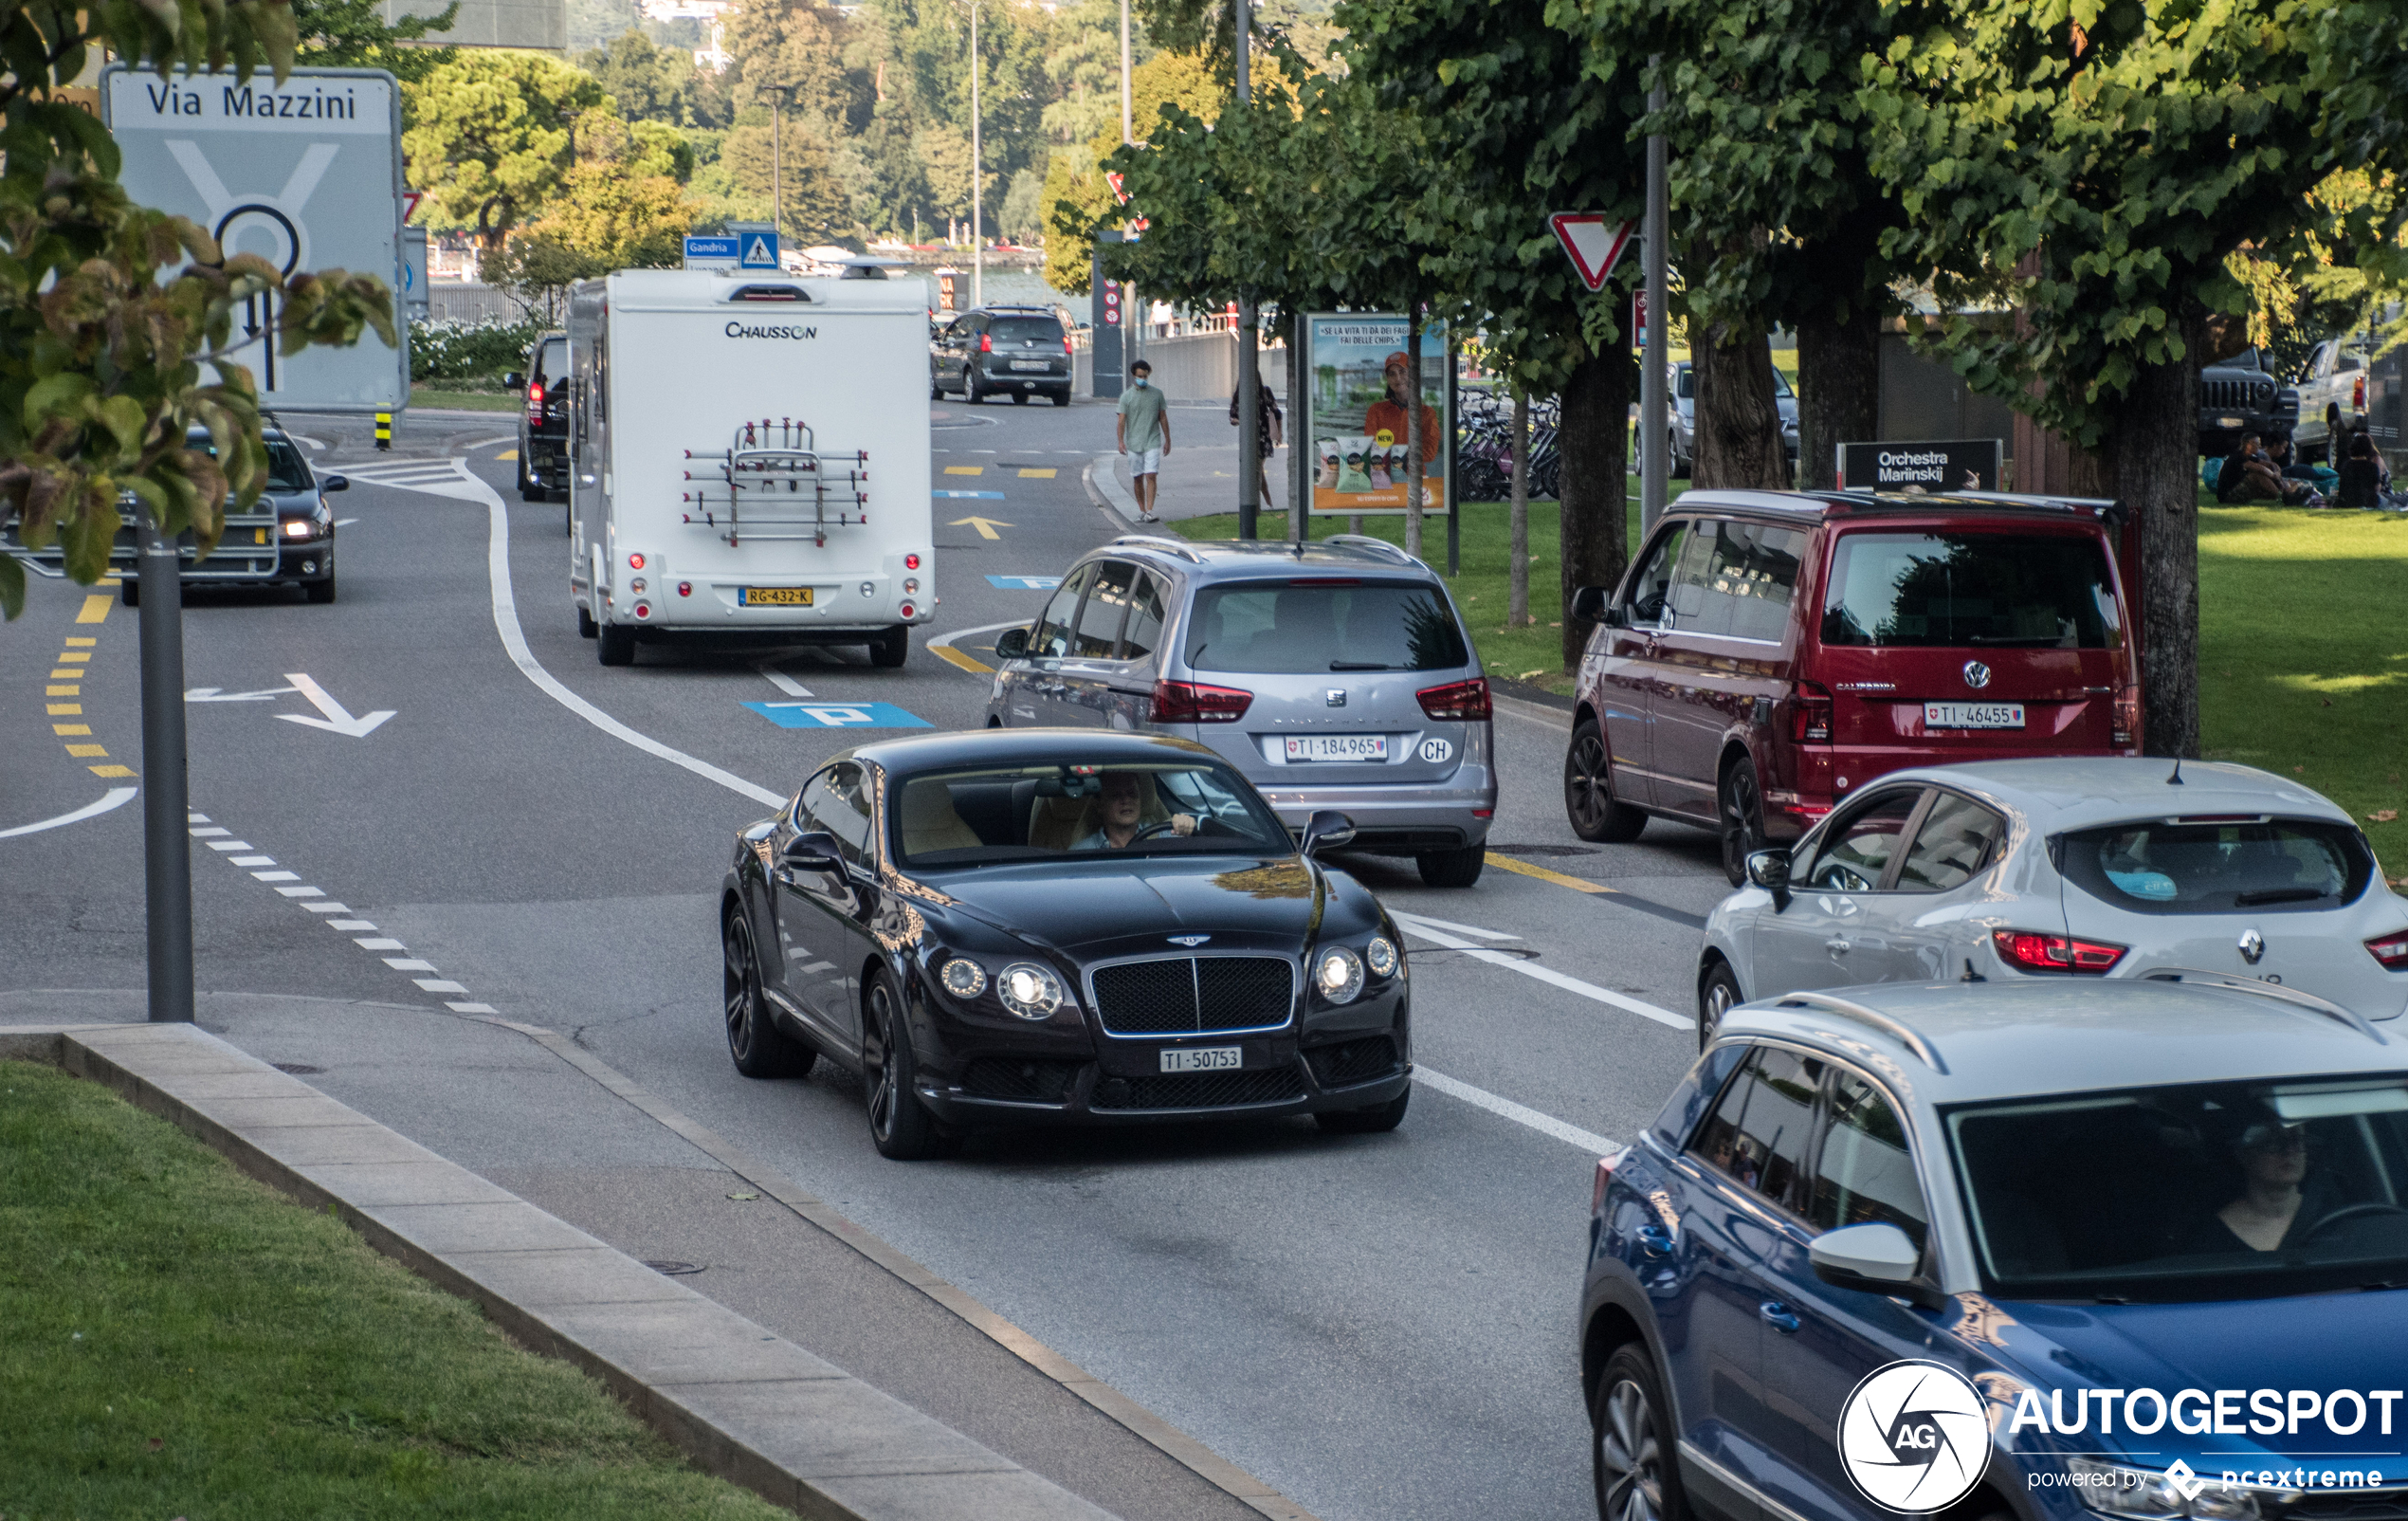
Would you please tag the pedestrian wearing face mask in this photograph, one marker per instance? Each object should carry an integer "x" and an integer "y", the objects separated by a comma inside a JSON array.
[{"x": 1143, "y": 432}]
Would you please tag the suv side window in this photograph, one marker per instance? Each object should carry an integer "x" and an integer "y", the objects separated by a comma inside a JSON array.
[
  {"x": 836, "y": 800},
  {"x": 1757, "y": 1134},
  {"x": 1107, "y": 605},
  {"x": 1746, "y": 575},
  {"x": 1652, "y": 584},
  {"x": 1857, "y": 850},
  {"x": 1052, "y": 638},
  {"x": 1954, "y": 844},
  {"x": 1864, "y": 1174},
  {"x": 1145, "y": 620}
]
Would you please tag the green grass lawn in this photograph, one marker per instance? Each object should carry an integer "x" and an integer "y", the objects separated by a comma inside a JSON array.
[
  {"x": 2301, "y": 671},
  {"x": 181, "y": 1340},
  {"x": 464, "y": 400}
]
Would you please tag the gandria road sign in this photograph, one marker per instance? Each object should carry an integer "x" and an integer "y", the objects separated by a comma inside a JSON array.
[{"x": 306, "y": 174}]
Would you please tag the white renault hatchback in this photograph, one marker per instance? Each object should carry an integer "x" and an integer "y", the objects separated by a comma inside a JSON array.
[{"x": 2090, "y": 866}]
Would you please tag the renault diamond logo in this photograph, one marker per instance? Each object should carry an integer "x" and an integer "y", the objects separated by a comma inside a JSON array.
[
  {"x": 1913, "y": 1437},
  {"x": 1976, "y": 674},
  {"x": 1191, "y": 941},
  {"x": 2253, "y": 946}
]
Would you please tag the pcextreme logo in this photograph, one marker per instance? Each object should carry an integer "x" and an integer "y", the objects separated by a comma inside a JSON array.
[{"x": 1913, "y": 1437}]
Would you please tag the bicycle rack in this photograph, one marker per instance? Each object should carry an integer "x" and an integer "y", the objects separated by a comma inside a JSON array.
[{"x": 772, "y": 483}]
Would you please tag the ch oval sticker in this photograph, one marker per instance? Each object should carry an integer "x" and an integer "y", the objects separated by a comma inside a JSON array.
[{"x": 1436, "y": 750}]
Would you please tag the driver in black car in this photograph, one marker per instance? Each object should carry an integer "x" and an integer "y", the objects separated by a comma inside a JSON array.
[
  {"x": 2279, "y": 1199},
  {"x": 1122, "y": 809}
]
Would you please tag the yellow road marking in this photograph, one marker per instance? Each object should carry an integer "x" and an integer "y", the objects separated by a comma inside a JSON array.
[
  {"x": 96, "y": 609},
  {"x": 70, "y": 728},
  {"x": 61, "y": 691},
  {"x": 66, "y": 673},
  {"x": 72, "y": 657},
  {"x": 1045, "y": 474},
  {"x": 113, "y": 771},
  {"x": 75, "y": 643},
  {"x": 507, "y": 454},
  {"x": 955, "y": 657},
  {"x": 986, "y": 526},
  {"x": 965, "y": 469},
  {"x": 1576, "y": 884},
  {"x": 87, "y": 751},
  {"x": 65, "y": 710}
]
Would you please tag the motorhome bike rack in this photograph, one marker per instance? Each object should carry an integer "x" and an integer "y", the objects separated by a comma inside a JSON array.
[{"x": 772, "y": 483}]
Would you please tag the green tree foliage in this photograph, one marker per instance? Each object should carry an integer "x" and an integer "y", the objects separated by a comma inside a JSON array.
[
  {"x": 116, "y": 325},
  {"x": 491, "y": 139},
  {"x": 653, "y": 83},
  {"x": 355, "y": 34},
  {"x": 818, "y": 207}
]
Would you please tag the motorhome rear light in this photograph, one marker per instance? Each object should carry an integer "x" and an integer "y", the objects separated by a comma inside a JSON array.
[
  {"x": 686, "y": 588},
  {"x": 1458, "y": 702},
  {"x": 635, "y": 562},
  {"x": 643, "y": 610},
  {"x": 911, "y": 585},
  {"x": 1810, "y": 714},
  {"x": 2031, "y": 950},
  {"x": 986, "y": 343},
  {"x": 1188, "y": 702},
  {"x": 911, "y": 562},
  {"x": 908, "y": 610},
  {"x": 2392, "y": 950}
]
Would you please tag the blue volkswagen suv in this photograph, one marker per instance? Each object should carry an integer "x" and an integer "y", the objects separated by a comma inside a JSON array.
[{"x": 2045, "y": 1249}]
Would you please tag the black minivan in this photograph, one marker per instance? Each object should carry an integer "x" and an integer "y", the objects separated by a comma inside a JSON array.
[
  {"x": 993, "y": 351},
  {"x": 543, "y": 422}
]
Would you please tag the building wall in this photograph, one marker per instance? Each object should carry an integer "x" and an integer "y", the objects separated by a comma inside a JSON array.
[
  {"x": 534, "y": 24},
  {"x": 1923, "y": 399}
]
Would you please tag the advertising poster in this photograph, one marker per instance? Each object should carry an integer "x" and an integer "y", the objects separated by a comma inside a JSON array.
[{"x": 1355, "y": 416}]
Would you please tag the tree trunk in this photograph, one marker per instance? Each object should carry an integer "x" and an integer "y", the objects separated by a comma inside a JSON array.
[
  {"x": 1838, "y": 390},
  {"x": 1593, "y": 494},
  {"x": 1738, "y": 432},
  {"x": 1517, "y": 583},
  {"x": 1412, "y": 432},
  {"x": 2156, "y": 475}
]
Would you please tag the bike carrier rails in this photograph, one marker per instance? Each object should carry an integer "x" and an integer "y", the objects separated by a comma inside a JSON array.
[{"x": 772, "y": 483}]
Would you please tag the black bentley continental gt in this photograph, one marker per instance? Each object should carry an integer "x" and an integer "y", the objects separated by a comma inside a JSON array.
[{"x": 1059, "y": 925}]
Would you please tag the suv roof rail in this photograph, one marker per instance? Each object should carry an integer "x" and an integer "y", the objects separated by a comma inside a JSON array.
[
  {"x": 1378, "y": 546},
  {"x": 2292, "y": 995},
  {"x": 1899, "y": 1029},
  {"x": 1168, "y": 546}
]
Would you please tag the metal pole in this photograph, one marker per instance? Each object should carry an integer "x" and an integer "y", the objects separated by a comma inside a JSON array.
[
  {"x": 1655, "y": 465},
  {"x": 1131, "y": 310},
  {"x": 777, "y": 160},
  {"x": 1249, "y": 422},
  {"x": 1446, "y": 453},
  {"x": 977, "y": 173},
  {"x": 1300, "y": 462},
  {"x": 167, "y": 843}
]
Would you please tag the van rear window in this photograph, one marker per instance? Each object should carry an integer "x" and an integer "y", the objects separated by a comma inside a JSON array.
[
  {"x": 1274, "y": 628},
  {"x": 1924, "y": 590},
  {"x": 554, "y": 361}
]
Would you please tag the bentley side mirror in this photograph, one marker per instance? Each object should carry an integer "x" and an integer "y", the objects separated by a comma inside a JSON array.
[
  {"x": 1325, "y": 830},
  {"x": 1876, "y": 1257},
  {"x": 334, "y": 483},
  {"x": 812, "y": 851},
  {"x": 514, "y": 381},
  {"x": 1769, "y": 870},
  {"x": 1013, "y": 644}
]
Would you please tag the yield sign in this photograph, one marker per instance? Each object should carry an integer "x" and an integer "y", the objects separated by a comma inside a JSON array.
[
  {"x": 1594, "y": 244},
  {"x": 1118, "y": 193}
]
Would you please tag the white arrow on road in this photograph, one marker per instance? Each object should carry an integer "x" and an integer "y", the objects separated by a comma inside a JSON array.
[
  {"x": 218, "y": 694},
  {"x": 338, "y": 718}
]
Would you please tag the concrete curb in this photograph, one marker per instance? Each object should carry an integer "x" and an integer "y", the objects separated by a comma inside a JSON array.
[
  {"x": 1109, "y": 496},
  {"x": 738, "y": 1402},
  {"x": 1524, "y": 709}
]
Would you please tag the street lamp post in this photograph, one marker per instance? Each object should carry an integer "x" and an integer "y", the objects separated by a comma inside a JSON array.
[
  {"x": 779, "y": 95},
  {"x": 1132, "y": 311},
  {"x": 977, "y": 173},
  {"x": 1656, "y": 444},
  {"x": 1249, "y": 419}
]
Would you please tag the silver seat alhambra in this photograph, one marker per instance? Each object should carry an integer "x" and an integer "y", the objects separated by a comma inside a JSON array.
[{"x": 1332, "y": 674}]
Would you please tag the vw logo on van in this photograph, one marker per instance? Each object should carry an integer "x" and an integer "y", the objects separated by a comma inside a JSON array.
[{"x": 1976, "y": 674}]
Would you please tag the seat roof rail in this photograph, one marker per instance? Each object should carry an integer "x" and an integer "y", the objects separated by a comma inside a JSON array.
[
  {"x": 1899, "y": 1029},
  {"x": 1378, "y": 546},
  {"x": 1168, "y": 546}
]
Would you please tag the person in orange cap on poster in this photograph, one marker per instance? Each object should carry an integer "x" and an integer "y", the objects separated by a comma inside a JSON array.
[{"x": 1388, "y": 413}]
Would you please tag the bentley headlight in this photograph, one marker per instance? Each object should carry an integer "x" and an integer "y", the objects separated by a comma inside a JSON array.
[
  {"x": 1030, "y": 991},
  {"x": 1380, "y": 955},
  {"x": 963, "y": 978},
  {"x": 1338, "y": 975}
]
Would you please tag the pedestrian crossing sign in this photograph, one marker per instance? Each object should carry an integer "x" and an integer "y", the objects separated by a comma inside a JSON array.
[{"x": 760, "y": 251}]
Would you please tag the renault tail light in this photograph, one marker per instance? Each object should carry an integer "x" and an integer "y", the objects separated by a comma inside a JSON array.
[
  {"x": 2032, "y": 950},
  {"x": 1188, "y": 702},
  {"x": 1458, "y": 702},
  {"x": 2392, "y": 950}
]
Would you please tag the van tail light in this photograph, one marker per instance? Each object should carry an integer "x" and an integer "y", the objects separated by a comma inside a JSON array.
[
  {"x": 1458, "y": 702},
  {"x": 2031, "y": 950},
  {"x": 2127, "y": 719},
  {"x": 1810, "y": 714},
  {"x": 986, "y": 343},
  {"x": 535, "y": 401},
  {"x": 1188, "y": 702},
  {"x": 2392, "y": 950}
]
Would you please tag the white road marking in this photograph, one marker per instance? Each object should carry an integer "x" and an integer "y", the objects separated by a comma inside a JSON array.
[
  {"x": 114, "y": 797},
  {"x": 338, "y": 718},
  {"x": 253, "y": 860},
  {"x": 1475, "y": 930},
  {"x": 218, "y": 694},
  {"x": 277, "y": 876},
  {"x": 1588, "y": 1141},
  {"x": 471, "y": 1008},
  {"x": 302, "y": 892},
  {"x": 783, "y": 682},
  {"x": 409, "y": 963},
  {"x": 438, "y": 985},
  {"x": 344, "y": 924},
  {"x": 209, "y": 834},
  {"x": 345, "y": 523},
  {"x": 231, "y": 845},
  {"x": 375, "y": 943},
  {"x": 1546, "y": 974}
]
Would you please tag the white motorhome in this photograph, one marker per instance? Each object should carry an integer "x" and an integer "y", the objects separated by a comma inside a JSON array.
[{"x": 749, "y": 453}]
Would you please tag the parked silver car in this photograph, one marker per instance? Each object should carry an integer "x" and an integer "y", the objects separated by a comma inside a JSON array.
[
  {"x": 2067, "y": 867},
  {"x": 1682, "y": 420},
  {"x": 1335, "y": 674}
]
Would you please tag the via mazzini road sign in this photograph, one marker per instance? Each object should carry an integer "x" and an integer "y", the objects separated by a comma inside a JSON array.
[
  {"x": 306, "y": 174},
  {"x": 1594, "y": 244}
]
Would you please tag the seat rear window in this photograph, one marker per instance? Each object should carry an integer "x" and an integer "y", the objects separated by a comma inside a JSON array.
[
  {"x": 1276, "y": 627},
  {"x": 1961, "y": 590},
  {"x": 1016, "y": 329},
  {"x": 2221, "y": 868}
]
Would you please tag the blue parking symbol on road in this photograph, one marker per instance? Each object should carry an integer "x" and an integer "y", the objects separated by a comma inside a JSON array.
[
  {"x": 1024, "y": 583},
  {"x": 839, "y": 716}
]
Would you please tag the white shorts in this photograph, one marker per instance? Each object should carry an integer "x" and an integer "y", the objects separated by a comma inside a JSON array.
[{"x": 1145, "y": 462}]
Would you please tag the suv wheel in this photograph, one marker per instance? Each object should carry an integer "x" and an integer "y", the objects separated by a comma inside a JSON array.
[
  {"x": 1588, "y": 791},
  {"x": 1742, "y": 810},
  {"x": 1715, "y": 997},
  {"x": 892, "y": 647},
  {"x": 1458, "y": 868},
  {"x": 1630, "y": 1442},
  {"x": 528, "y": 491},
  {"x": 969, "y": 386}
]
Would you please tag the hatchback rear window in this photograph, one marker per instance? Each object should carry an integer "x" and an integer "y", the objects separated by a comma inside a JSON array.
[
  {"x": 1278, "y": 628},
  {"x": 2205, "y": 867},
  {"x": 2040, "y": 591},
  {"x": 1017, "y": 329}
]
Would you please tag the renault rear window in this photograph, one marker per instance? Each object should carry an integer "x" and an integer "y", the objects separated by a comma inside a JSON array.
[
  {"x": 1290, "y": 627},
  {"x": 1017, "y": 329},
  {"x": 2219, "y": 866},
  {"x": 1961, "y": 589}
]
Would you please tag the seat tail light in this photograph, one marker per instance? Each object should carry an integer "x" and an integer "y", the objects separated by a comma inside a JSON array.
[
  {"x": 986, "y": 343},
  {"x": 2392, "y": 950},
  {"x": 1458, "y": 702},
  {"x": 2128, "y": 720},
  {"x": 1188, "y": 702},
  {"x": 2032, "y": 950},
  {"x": 1810, "y": 714}
]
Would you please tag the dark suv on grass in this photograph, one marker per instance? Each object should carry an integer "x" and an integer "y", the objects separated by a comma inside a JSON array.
[
  {"x": 543, "y": 422},
  {"x": 1770, "y": 653},
  {"x": 993, "y": 351}
]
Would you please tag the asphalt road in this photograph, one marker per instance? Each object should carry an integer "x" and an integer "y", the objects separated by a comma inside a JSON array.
[{"x": 1380, "y": 1327}]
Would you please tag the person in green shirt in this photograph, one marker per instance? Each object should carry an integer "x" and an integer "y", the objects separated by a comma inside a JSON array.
[{"x": 1143, "y": 432}]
